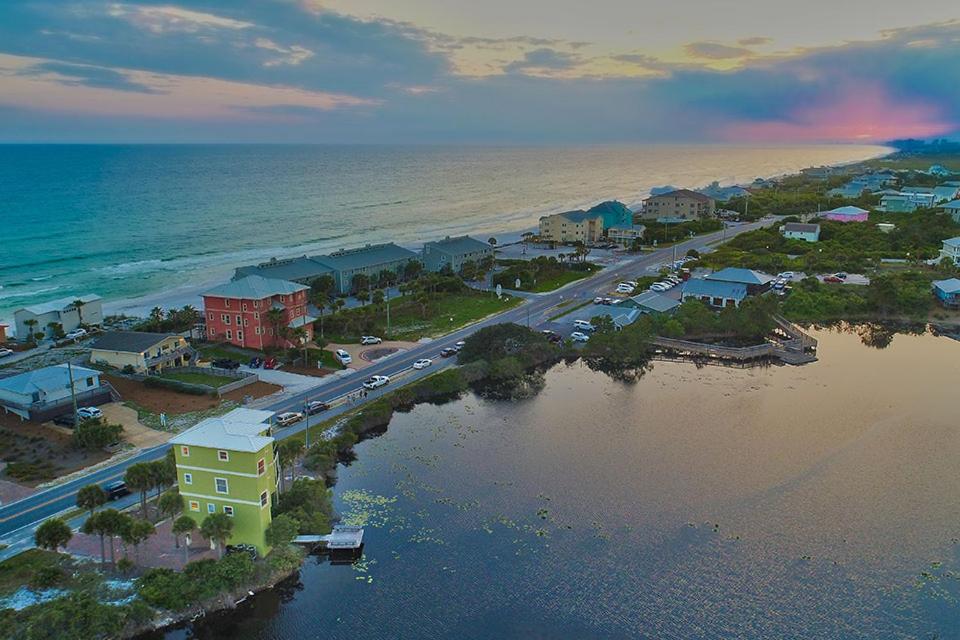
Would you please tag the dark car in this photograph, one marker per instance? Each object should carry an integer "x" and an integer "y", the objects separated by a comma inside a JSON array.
[
  {"x": 448, "y": 352},
  {"x": 226, "y": 363},
  {"x": 66, "y": 420},
  {"x": 255, "y": 363},
  {"x": 248, "y": 549},
  {"x": 116, "y": 490},
  {"x": 316, "y": 406}
]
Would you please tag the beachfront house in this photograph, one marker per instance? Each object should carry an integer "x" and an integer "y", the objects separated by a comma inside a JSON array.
[
  {"x": 572, "y": 226},
  {"x": 947, "y": 292},
  {"x": 626, "y": 235},
  {"x": 945, "y": 193},
  {"x": 923, "y": 197},
  {"x": 615, "y": 213},
  {"x": 896, "y": 203},
  {"x": 678, "y": 206},
  {"x": 952, "y": 208},
  {"x": 652, "y": 302},
  {"x": 227, "y": 464},
  {"x": 951, "y": 250},
  {"x": 801, "y": 231},
  {"x": 452, "y": 253},
  {"x": 68, "y": 313},
  {"x": 754, "y": 281},
  {"x": 713, "y": 292},
  {"x": 142, "y": 352},
  {"x": 939, "y": 170},
  {"x": 722, "y": 194},
  {"x": 846, "y": 214},
  {"x": 369, "y": 260},
  {"x": 43, "y": 394},
  {"x": 303, "y": 270},
  {"x": 257, "y": 313}
]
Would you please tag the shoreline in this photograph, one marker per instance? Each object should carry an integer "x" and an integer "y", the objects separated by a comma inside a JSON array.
[{"x": 190, "y": 294}]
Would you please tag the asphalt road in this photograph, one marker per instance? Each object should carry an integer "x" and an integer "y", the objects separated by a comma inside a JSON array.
[{"x": 19, "y": 519}]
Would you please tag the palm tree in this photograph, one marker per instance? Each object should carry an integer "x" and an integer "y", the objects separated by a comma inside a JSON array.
[
  {"x": 320, "y": 301},
  {"x": 78, "y": 305},
  {"x": 56, "y": 330},
  {"x": 217, "y": 527},
  {"x": 99, "y": 524},
  {"x": 156, "y": 317},
  {"x": 170, "y": 503},
  {"x": 181, "y": 527},
  {"x": 140, "y": 477},
  {"x": 288, "y": 452},
  {"x": 137, "y": 533},
  {"x": 31, "y": 323},
  {"x": 275, "y": 318},
  {"x": 52, "y": 534},
  {"x": 492, "y": 241},
  {"x": 90, "y": 497}
]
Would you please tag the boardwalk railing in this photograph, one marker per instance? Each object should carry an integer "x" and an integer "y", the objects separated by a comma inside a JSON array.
[{"x": 793, "y": 348}]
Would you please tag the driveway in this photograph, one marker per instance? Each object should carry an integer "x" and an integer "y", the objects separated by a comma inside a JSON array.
[
  {"x": 363, "y": 356},
  {"x": 134, "y": 432}
]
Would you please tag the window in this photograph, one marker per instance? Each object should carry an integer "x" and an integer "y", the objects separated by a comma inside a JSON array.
[
  {"x": 239, "y": 335},
  {"x": 244, "y": 306},
  {"x": 246, "y": 322},
  {"x": 185, "y": 451},
  {"x": 229, "y": 335},
  {"x": 261, "y": 467},
  {"x": 224, "y": 318},
  {"x": 226, "y": 303},
  {"x": 228, "y": 510},
  {"x": 211, "y": 508},
  {"x": 223, "y": 456},
  {"x": 257, "y": 330},
  {"x": 194, "y": 505},
  {"x": 211, "y": 332},
  {"x": 256, "y": 316},
  {"x": 89, "y": 382},
  {"x": 282, "y": 299},
  {"x": 239, "y": 321},
  {"x": 256, "y": 305},
  {"x": 264, "y": 499},
  {"x": 221, "y": 484},
  {"x": 210, "y": 315},
  {"x": 188, "y": 478}
]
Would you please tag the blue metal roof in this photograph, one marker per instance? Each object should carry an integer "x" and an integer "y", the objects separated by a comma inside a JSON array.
[
  {"x": 655, "y": 302},
  {"x": 302, "y": 268},
  {"x": 949, "y": 286},
  {"x": 579, "y": 215},
  {"x": 714, "y": 289},
  {"x": 371, "y": 255},
  {"x": 255, "y": 288},
  {"x": 458, "y": 246},
  {"x": 743, "y": 276},
  {"x": 45, "y": 379}
]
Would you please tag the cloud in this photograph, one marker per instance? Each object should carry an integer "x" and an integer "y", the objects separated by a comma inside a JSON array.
[
  {"x": 754, "y": 41},
  {"x": 83, "y": 75},
  {"x": 543, "y": 60},
  {"x": 292, "y": 55},
  {"x": 716, "y": 51}
]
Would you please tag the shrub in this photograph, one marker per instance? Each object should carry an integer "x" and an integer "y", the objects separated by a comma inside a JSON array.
[
  {"x": 92, "y": 435},
  {"x": 164, "y": 588},
  {"x": 46, "y": 577}
]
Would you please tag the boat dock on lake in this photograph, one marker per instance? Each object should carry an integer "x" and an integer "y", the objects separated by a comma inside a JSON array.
[{"x": 342, "y": 537}]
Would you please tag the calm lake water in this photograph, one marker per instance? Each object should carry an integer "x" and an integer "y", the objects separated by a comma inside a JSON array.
[{"x": 698, "y": 503}]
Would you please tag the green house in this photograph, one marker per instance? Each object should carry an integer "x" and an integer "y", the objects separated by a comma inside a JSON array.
[{"x": 227, "y": 465}]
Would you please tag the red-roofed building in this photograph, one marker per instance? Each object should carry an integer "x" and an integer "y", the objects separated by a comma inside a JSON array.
[{"x": 257, "y": 312}]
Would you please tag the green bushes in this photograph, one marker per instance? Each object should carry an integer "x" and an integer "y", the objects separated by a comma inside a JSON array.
[
  {"x": 200, "y": 580},
  {"x": 308, "y": 504},
  {"x": 92, "y": 435}
]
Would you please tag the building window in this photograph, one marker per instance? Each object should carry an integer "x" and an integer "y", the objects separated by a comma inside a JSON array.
[
  {"x": 256, "y": 305},
  {"x": 245, "y": 322},
  {"x": 224, "y": 318},
  {"x": 188, "y": 478},
  {"x": 226, "y": 303},
  {"x": 211, "y": 332},
  {"x": 282, "y": 299},
  {"x": 264, "y": 499},
  {"x": 185, "y": 451},
  {"x": 221, "y": 485},
  {"x": 239, "y": 335},
  {"x": 211, "y": 508},
  {"x": 229, "y": 335},
  {"x": 261, "y": 467},
  {"x": 223, "y": 456},
  {"x": 210, "y": 315},
  {"x": 256, "y": 316},
  {"x": 244, "y": 306},
  {"x": 228, "y": 510},
  {"x": 89, "y": 382},
  {"x": 194, "y": 505}
]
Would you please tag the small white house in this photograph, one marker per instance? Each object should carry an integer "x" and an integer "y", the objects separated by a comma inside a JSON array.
[
  {"x": 69, "y": 313},
  {"x": 951, "y": 250},
  {"x": 44, "y": 393},
  {"x": 801, "y": 231}
]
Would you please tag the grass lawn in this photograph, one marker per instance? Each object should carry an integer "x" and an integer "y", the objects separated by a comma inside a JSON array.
[
  {"x": 450, "y": 312},
  {"x": 219, "y": 351},
  {"x": 191, "y": 377},
  {"x": 17, "y": 571},
  {"x": 558, "y": 280}
]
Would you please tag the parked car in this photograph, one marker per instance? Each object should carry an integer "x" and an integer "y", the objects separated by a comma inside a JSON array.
[
  {"x": 271, "y": 363},
  {"x": 552, "y": 336},
  {"x": 576, "y": 336},
  {"x": 787, "y": 275},
  {"x": 448, "y": 352},
  {"x": 370, "y": 340},
  {"x": 288, "y": 418},
  {"x": 256, "y": 362},
  {"x": 65, "y": 420},
  {"x": 316, "y": 406},
  {"x": 116, "y": 489},
  {"x": 342, "y": 357},
  {"x": 610, "y": 301},
  {"x": 422, "y": 363},
  {"x": 76, "y": 334},
  {"x": 583, "y": 325},
  {"x": 832, "y": 279},
  {"x": 598, "y": 300},
  {"x": 674, "y": 279},
  {"x": 841, "y": 275},
  {"x": 659, "y": 288},
  {"x": 89, "y": 413},
  {"x": 630, "y": 283},
  {"x": 226, "y": 363},
  {"x": 374, "y": 382},
  {"x": 5, "y": 352}
]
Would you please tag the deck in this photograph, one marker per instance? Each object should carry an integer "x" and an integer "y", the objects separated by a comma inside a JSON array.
[
  {"x": 342, "y": 537},
  {"x": 789, "y": 344}
]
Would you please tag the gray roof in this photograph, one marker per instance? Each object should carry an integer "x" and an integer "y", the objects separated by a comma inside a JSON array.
[
  {"x": 800, "y": 227},
  {"x": 238, "y": 430},
  {"x": 950, "y": 285},
  {"x": 579, "y": 215},
  {"x": 655, "y": 301},
  {"x": 302, "y": 268},
  {"x": 45, "y": 379},
  {"x": 255, "y": 288},
  {"x": 459, "y": 245},
  {"x": 60, "y": 304},
  {"x": 742, "y": 276},
  {"x": 952, "y": 205},
  {"x": 715, "y": 289},
  {"x": 371, "y": 255},
  {"x": 682, "y": 193},
  {"x": 129, "y": 341}
]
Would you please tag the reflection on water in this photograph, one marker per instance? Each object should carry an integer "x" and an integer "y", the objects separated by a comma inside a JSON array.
[{"x": 785, "y": 502}]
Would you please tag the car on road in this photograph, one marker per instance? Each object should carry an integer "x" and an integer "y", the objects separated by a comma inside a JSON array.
[
  {"x": 6, "y": 352},
  {"x": 89, "y": 413},
  {"x": 597, "y": 300},
  {"x": 288, "y": 418},
  {"x": 787, "y": 275},
  {"x": 583, "y": 325},
  {"x": 370, "y": 340},
  {"x": 116, "y": 490},
  {"x": 832, "y": 279},
  {"x": 422, "y": 363},
  {"x": 374, "y": 382},
  {"x": 460, "y": 344},
  {"x": 316, "y": 406},
  {"x": 342, "y": 357},
  {"x": 448, "y": 352},
  {"x": 76, "y": 334},
  {"x": 841, "y": 275},
  {"x": 226, "y": 363},
  {"x": 576, "y": 336}
]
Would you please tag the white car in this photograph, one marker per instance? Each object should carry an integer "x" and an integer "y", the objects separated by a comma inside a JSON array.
[
  {"x": 374, "y": 382},
  {"x": 343, "y": 357},
  {"x": 674, "y": 279},
  {"x": 631, "y": 283},
  {"x": 787, "y": 275},
  {"x": 422, "y": 363},
  {"x": 460, "y": 344},
  {"x": 76, "y": 334},
  {"x": 370, "y": 340},
  {"x": 583, "y": 325},
  {"x": 659, "y": 288},
  {"x": 576, "y": 336},
  {"x": 622, "y": 289},
  {"x": 6, "y": 352},
  {"x": 89, "y": 413},
  {"x": 598, "y": 300},
  {"x": 666, "y": 284},
  {"x": 287, "y": 418}
]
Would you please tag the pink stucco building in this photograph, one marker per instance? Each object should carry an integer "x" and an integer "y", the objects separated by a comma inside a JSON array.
[{"x": 846, "y": 214}]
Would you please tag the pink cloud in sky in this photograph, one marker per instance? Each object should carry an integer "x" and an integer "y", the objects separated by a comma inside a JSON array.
[{"x": 860, "y": 113}]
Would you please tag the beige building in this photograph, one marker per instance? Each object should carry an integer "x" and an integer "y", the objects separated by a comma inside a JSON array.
[
  {"x": 678, "y": 206},
  {"x": 144, "y": 352},
  {"x": 572, "y": 226}
]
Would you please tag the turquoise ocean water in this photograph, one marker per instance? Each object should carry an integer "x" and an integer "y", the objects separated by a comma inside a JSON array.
[{"x": 131, "y": 221}]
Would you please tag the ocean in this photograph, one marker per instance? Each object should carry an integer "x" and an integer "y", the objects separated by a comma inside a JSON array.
[{"x": 149, "y": 224}]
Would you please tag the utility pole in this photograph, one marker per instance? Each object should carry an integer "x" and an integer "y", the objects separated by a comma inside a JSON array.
[
  {"x": 73, "y": 395},
  {"x": 386, "y": 296}
]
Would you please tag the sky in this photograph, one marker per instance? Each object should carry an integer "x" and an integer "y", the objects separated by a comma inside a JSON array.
[{"x": 490, "y": 72}]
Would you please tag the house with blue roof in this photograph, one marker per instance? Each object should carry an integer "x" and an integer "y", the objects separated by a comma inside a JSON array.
[
  {"x": 952, "y": 208},
  {"x": 302, "y": 270},
  {"x": 948, "y": 292},
  {"x": 615, "y": 213},
  {"x": 652, "y": 302},
  {"x": 754, "y": 281},
  {"x": 368, "y": 260},
  {"x": 945, "y": 193},
  {"x": 45, "y": 393},
  {"x": 714, "y": 292},
  {"x": 572, "y": 226},
  {"x": 951, "y": 250},
  {"x": 452, "y": 253}
]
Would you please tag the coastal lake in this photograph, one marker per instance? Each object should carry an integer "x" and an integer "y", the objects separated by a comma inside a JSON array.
[{"x": 820, "y": 501}]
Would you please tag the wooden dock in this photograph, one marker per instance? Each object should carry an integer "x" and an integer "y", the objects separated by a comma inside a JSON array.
[
  {"x": 342, "y": 537},
  {"x": 789, "y": 344}
]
